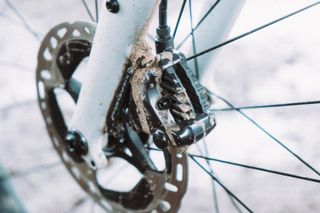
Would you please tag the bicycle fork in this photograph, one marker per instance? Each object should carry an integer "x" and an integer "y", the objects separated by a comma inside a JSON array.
[{"x": 118, "y": 33}]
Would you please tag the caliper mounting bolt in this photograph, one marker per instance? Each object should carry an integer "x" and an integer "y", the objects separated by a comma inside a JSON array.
[
  {"x": 113, "y": 6},
  {"x": 76, "y": 143},
  {"x": 160, "y": 139}
]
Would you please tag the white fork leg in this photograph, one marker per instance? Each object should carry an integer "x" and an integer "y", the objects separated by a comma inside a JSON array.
[{"x": 115, "y": 33}]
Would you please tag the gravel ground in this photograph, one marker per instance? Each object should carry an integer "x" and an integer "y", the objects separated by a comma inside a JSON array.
[{"x": 279, "y": 64}]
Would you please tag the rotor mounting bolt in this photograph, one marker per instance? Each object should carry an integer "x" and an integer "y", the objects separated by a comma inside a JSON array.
[
  {"x": 113, "y": 6},
  {"x": 76, "y": 143},
  {"x": 65, "y": 59}
]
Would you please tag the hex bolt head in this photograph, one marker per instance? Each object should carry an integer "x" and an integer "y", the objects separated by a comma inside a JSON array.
[
  {"x": 113, "y": 6},
  {"x": 76, "y": 144},
  {"x": 65, "y": 59},
  {"x": 160, "y": 139}
]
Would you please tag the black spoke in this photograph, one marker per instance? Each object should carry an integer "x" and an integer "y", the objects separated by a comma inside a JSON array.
[
  {"x": 22, "y": 67},
  {"x": 222, "y": 185},
  {"x": 267, "y": 133},
  {"x": 236, "y": 205},
  {"x": 97, "y": 10},
  {"x": 32, "y": 170},
  {"x": 214, "y": 191},
  {"x": 86, "y": 6},
  {"x": 256, "y": 168},
  {"x": 179, "y": 18},
  {"x": 268, "y": 106},
  {"x": 194, "y": 49},
  {"x": 93, "y": 206},
  {"x": 77, "y": 204},
  {"x": 17, "y": 105},
  {"x": 199, "y": 23},
  {"x": 22, "y": 19},
  {"x": 250, "y": 167},
  {"x": 252, "y": 31}
]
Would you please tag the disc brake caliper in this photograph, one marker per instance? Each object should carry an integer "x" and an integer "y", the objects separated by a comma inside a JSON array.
[{"x": 170, "y": 102}]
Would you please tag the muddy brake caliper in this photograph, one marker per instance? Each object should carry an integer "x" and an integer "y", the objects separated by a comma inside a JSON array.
[{"x": 170, "y": 103}]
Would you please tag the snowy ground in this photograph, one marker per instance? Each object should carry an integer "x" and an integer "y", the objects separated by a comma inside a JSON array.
[{"x": 279, "y": 64}]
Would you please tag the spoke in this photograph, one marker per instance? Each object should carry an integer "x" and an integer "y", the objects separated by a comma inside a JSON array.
[
  {"x": 22, "y": 19},
  {"x": 257, "y": 168},
  {"x": 194, "y": 49},
  {"x": 215, "y": 195},
  {"x": 230, "y": 197},
  {"x": 93, "y": 206},
  {"x": 77, "y": 204},
  {"x": 199, "y": 23},
  {"x": 97, "y": 10},
  {"x": 236, "y": 205},
  {"x": 179, "y": 18},
  {"x": 153, "y": 149},
  {"x": 214, "y": 191},
  {"x": 222, "y": 185},
  {"x": 32, "y": 170},
  {"x": 252, "y": 31},
  {"x": 267, "y": 133},
  {"x": 87, "y": 9},
  {"x": 21, "y": 67},
  {"x": 268, "y": 106},
  {"x": 14, "y": 106}
]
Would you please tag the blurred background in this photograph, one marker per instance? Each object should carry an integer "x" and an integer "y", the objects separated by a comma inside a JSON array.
[{"x": 279, "y": 64}]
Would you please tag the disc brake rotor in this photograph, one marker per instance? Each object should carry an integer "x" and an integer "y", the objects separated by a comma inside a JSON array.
[{"x": 61, "y": 51}]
